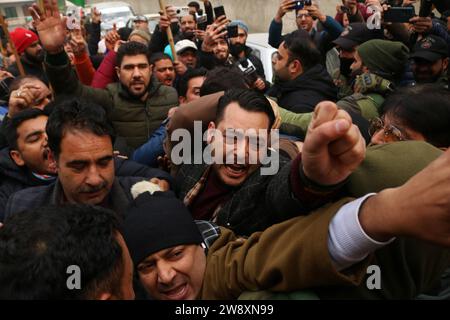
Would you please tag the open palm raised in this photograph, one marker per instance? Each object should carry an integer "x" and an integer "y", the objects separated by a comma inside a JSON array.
[{"x": 49, "y": 25}]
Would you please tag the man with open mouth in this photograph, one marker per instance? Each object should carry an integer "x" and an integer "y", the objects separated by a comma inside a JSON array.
[
  {"x": 81, "y": 166},
  {"x": 225, "y": 190}
]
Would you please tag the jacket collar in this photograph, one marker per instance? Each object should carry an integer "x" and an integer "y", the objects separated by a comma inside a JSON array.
[
  {"x": 117, "y": 199},
  {"x": 153, "y": 87}
]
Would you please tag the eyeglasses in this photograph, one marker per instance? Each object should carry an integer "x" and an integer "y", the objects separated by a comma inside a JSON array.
[
  {"x": 391, "y": 133},
  {"x": 303, "y": 15}
]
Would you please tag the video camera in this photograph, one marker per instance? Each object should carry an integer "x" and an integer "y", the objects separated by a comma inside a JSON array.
[
  {"x": 248, "y": 69},
  {"x": 299, "y": 5}
]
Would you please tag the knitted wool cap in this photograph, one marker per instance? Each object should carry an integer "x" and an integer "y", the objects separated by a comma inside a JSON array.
[
  {"x": 23, "y": 38},
  {"x": 387, "y": 57},
  {"x": 141, "y": 33},
  {"x": 157, "y": 222}
]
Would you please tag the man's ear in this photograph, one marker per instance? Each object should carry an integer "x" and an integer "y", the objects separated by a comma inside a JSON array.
[
  {"x": 17, "y": 158},
  {"x": 445, "y": 63},
  {"x": 296, "y": 67},
  {"x": 210, "y": 132},
  {"x": 118, "y": 72},
  {"x": 182, "y": 100}
]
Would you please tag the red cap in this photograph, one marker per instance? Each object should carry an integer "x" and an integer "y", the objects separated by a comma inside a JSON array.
[{"x": 23, "y": 38}]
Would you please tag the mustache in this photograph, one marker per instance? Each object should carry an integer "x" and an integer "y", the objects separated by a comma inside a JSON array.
[
  {"x": 164, "y": 288},
  {"x": 93, "y": 189}
]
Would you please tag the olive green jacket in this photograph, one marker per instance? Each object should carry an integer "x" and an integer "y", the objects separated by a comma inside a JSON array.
[
  {"x": 133, "y": 119},
  {"x": 408, "y": 266}
]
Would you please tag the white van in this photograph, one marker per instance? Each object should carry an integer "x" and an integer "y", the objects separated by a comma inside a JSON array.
[
  {"x": 261, "y": 48},
  {"x": 117, "y": 12}
]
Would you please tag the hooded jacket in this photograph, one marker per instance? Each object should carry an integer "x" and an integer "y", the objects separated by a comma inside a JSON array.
[{"x": 304, "y": 92}]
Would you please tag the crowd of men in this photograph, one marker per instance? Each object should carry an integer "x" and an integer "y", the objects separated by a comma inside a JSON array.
[{"x": 350, "y": 138}]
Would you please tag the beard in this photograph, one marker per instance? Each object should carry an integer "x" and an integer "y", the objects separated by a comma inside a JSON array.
[
  {"x": 39, "y": 58},
  {"x": 345, "y": 67},
  {"x": 427, "y": 77},
  {"x": 132, "y": 94},
  {"x": 237, "y": 49},
  {"x": 188, "y": 34}
]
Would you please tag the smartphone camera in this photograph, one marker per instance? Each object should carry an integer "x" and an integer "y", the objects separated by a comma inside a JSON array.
[
  {"x": 232, "y": 31},
  {"x": 299, "y": 5}
]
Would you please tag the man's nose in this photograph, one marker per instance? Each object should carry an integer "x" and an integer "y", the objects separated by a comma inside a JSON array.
[
  {"x": 378, "y": 137},
  {"x": 137, "y": 72},
  {"x": 166, "y": 273},
  {"x": 94, "y": 177},
  {"x": 45, "y": 140}
]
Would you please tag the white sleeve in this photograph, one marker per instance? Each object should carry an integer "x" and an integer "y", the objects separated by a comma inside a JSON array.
[{"x": 347, "y": 242}]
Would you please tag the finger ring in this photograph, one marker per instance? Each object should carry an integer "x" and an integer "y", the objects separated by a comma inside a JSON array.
[{"x": 18, "y": 93}]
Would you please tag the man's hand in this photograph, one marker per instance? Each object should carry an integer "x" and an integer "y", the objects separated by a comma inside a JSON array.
[
  {"x": 163, "y": 184},
  {"x": 23, "y": 98},
  {"x": 285, "y": 7},
  {"x": 260, "y": 84},
  {"x": 421, "y": 24},
  {"x": 214, "y": 32},
  {"x": 333, "y": 147},
  {"x": 5, "y": 74},
  {"x": 164, "y": 23},
  {"x": 407, "y": 3},
  {"x": 50, "y": 26},
  {"x": 77, "y": 42},
  {"x": 167, "y": 19},
  {"x": 111, "y": 38},
  {"x": 373, "y": 3},
  {"x": 164, "y": 163},
  {"x": 315, "y": 12},
  {"x": 420, "y": 208},
  {"x": 118, "y": 44},
  {"x": 96, "y": 16},
  {"x": 370, "y": 82},
  {"x": 200, "y": 34},
  {"x": 180, "y": 67}
]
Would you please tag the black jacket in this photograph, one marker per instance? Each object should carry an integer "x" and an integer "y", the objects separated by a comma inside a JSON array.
[
  {"x": 302, "y": 94},
  {"x": 30, "y": 68},
  {"x": 261, "y": 201},
  {"x": 14, "y": 178}
]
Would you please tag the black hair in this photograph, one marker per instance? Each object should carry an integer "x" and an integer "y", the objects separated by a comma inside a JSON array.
[
  {"x": 248, "y": 100},
  {"x": 184, "y": 80},
  {"x": 132, "y": 48},
  {"x": 19, "y": 81},
  {"x": 124, "y": 33},
  {"x": 194, "y": 4},
  {"x": 222, "y": 79},
  {"x": 79, "y": 114},
  {"x": 37, "y": 246},
  {"x": 301, "y": 48},
  {"x": 158, "y": 56},
  {"x": 424, "y": 109},
  {"x": 16, "y": 121}
]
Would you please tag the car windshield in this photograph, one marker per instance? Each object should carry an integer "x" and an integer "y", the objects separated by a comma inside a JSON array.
[{"x": 115, "y": 13}]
